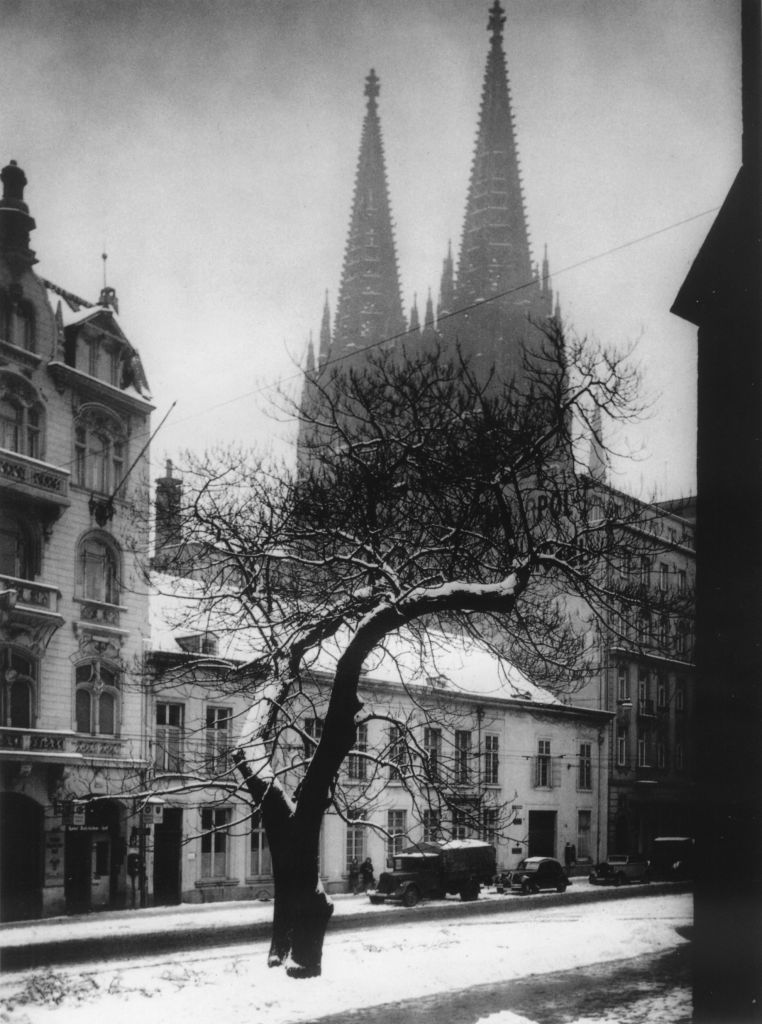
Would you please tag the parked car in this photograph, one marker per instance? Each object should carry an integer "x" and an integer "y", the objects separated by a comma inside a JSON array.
[
  {"x": 535, "y": 873},
  {"x": 672, "y": 857},
  {"x": 618, "y": 868}
]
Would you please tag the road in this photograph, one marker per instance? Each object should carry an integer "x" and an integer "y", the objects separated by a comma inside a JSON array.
[{"x": 623, "y": 960}]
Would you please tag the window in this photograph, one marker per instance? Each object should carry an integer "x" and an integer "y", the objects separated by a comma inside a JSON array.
[
  {"x": 642, "y": 752},
  {"x": 199, "y": 643},
  {"x": 357, "y": 763},
  {"x": 585, "y": 773},
  {"x": 491, "y": 760},
  {"x": 432, "y": 826},
  {"x": 679, "y": 757},
  {"x": 432, "y": 744},
  {"x": 355, "y": 844},
  {"x": 18, "y": 673},
  {"x": 682, "y": 636},
  {"x": 99, "y": 451},
  {"x": 621, "y": 749},
  {"x": 642, "y": 688},
  {"x": 622, "y": 683},
  {"x": 215, "y": 822},
  {"x": 260, "y": 862},
  {"x": 96, "y": 699},
  {"x": 680, "y": 696},
  {"x": 682, "y": 583},
  {"x": 661, "y": 755},
  {"x": 396, "y": 826},
  {"x": 98, "y": 570},
  {"x": 170, "y": 730},
  {"x": 218, "y": 722},
  {"x": 645, "y": 570},
  {"x": 644, "y": 627},
  {"x": 397, "y": 751},
  {"x": 661, "y": 693},
  {"x": 663, "y": 576},
  {"x": 664, "y": 632},
  {"x": 462, "y": 757},
  {"x": 543, "y": 765},
  {"x": 489, "y": 825},
  {"x": 584, "y": 834},
  {"x": 461, "y": 824},
  {"x": 313, "y": 730},
  {"x": 19, "y": 550},
  {"x": 21, "y": 417}
]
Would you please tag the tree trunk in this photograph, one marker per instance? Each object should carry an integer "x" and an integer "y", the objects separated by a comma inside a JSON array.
[{"x": 301, "y": 910}]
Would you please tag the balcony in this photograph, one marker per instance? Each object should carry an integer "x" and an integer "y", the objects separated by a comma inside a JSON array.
[
  {"x": 40, "y": 745},
  {"x": 35, "y": 609},
  {"x": 99, "y": 617},
  {"x": 646, "y": 708},
  {"x": 42, "y": 483}
]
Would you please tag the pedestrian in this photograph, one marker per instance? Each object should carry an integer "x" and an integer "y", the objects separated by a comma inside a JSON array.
[
  {"x": 366, "y": 874},
  {"x": 354, "y": 875},
  {"x": 570, "y": 855}
]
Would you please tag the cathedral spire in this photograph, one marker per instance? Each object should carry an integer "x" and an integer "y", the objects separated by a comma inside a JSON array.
[
  {"x": 415, "y": 320},
  {"x": 494, "y": 254},
  {"x": 369, "y": 306}
]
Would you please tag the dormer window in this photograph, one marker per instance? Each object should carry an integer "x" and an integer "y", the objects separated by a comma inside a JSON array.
[
  {"x": 199, "y": 643},
  {"x": 17, "y": 322}
]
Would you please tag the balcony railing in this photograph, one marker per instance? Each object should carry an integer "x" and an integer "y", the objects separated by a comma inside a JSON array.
[
  {"x": 36, "y": 607},
  {"x": 36, "y": 742},
  {"x": 38, "y": 480}
]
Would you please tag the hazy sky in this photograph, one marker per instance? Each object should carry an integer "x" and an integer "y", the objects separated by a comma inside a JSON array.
[{"x": 211, "y": 148}]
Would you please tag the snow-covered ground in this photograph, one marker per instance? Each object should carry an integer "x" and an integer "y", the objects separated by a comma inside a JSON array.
[{"x": 361, "y": 968}]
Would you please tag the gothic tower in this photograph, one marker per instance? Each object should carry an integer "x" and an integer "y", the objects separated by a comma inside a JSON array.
[
  {"x": 496, "y": 295},
  {"x": 369, "y": 307}
]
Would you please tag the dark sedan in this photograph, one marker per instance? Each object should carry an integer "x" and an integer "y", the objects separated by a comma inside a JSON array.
[{"x": 536, "y": 873}]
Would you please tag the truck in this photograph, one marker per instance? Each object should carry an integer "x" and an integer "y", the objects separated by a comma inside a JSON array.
[{"x": 432, "y": 870}]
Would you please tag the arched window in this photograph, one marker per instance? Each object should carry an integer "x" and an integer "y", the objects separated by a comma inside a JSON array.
[
  {"x": 21, "y": 417},
  {"x": 18, "y": 673},
  {"x": 98, "y": 569},
  {"x": 19, "y": 552},
  {"x": 96, "y": 700},
  {"x": 100, "y": 449}
]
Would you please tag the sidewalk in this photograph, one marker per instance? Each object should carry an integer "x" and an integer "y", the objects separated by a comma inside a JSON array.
[{"x": 129, "y": 933}]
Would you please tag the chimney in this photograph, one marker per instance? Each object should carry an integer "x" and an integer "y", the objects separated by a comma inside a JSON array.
[
  {"x": 168, "y": 520},
  {"x": 15, "y": 222}
]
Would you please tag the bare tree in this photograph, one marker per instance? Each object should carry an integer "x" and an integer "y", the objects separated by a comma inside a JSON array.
[{"x": 426, "y": 498}]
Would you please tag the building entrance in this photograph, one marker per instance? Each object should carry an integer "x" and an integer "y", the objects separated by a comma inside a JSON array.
[
  {"x": 21, "y": 844},
  {"x": 542, "y": 833},
  {"x": 167, "y": 858},
  {"x": 93, "y": 859}
]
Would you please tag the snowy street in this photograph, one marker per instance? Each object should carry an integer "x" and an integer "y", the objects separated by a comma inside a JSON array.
[{"x": 407, "y": 960}]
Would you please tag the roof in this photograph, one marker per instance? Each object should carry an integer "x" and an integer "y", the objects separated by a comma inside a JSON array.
[{"x": 439, "y": 661}]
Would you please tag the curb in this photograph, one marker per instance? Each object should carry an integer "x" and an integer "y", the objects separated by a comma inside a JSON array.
[{"x": 196, "y": 936}]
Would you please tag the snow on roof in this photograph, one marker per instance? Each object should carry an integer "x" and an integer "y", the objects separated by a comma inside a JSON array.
[
  {"x": 440, "y": 661},
  {"x": 443, "y": 661}
]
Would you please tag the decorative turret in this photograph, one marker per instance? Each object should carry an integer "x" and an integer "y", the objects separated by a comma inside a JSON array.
[
  {"x": 369, "y": 307},
  {"x": 447, "y": 285},
  {"x": 324, "y": 352},
  {"x": 15, "y": 221}
]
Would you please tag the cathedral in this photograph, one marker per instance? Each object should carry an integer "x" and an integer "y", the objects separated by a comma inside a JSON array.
[{"x": 491, "y": 307}]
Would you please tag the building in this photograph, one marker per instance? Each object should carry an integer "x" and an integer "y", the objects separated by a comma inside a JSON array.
[
  {"x": 456, "y": 745},
  {"x": 74, "y": 427}
]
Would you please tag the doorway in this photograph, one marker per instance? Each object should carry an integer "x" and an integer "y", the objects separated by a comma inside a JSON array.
[
  {"x": 21, "y": 839},
  {"x": 93, "y": 854},
  {"x": 542, "y": 833},
  {"x": 167, "y": 858}
]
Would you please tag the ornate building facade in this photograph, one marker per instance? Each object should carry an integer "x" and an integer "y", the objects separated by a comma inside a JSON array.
[{"x": 74, "y": 423}]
